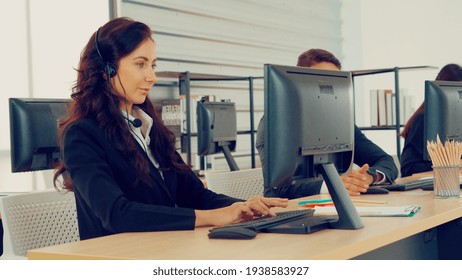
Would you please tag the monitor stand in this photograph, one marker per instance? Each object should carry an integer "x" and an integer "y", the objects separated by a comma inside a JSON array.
[
  {"x": 347, "y": 218},
  {"x": 229, "y": 158}
]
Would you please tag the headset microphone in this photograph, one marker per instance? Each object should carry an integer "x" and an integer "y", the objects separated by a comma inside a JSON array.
[{"x": 136, "y": 122}]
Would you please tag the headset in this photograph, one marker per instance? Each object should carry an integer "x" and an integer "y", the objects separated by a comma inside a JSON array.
[
  {"x": 111, "y": 71},
  {"x": 108, "y": 68}
]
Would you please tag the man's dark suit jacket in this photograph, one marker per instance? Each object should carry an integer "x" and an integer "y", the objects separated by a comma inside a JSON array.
[
  {"x": 365, "y": 151},
  {"x": 108, "y": 202}
]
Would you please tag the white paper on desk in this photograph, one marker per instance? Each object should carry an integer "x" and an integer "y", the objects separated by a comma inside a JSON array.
[{"x": 373, "y": 211}]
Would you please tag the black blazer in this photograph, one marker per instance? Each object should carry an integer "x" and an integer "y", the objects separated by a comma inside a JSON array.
[
  {"x": 108, "y": 203},
  {"x": 412, "y": 158},
  {"x": 366, "y": 151}
]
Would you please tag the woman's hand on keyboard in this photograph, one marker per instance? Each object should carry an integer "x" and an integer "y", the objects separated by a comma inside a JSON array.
[
  {"x": 254, "y": 207},
  {"x": 261, "y": 206}
]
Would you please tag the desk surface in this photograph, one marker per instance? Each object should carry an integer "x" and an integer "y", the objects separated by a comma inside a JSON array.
[{"x": 325, "y": 244}]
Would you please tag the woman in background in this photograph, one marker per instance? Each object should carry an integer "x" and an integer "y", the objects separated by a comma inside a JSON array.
[
  {"x": 412, "y": 159},
  {"x": 118, "y": 157}
]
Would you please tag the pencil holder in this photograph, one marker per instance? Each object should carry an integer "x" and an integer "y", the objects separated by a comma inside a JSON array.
[{"x": 446, "y": 181}]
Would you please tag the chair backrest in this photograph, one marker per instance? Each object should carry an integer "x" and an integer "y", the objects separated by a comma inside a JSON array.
[
  {"x": 239, "y": 184},
  {"x": 398, "y": 164},
  {"x": 36, "y": 220}
]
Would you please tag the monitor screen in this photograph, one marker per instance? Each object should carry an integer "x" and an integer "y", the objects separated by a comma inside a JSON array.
[
  {"x": 443, "y": 112},
  {"x": 216, "y": 129},
  {"x": 309, "y": 125},
  {"x": 33, "y": 132}
]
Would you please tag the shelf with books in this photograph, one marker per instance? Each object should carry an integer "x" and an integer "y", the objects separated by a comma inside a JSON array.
[
  {"x": 186, "y": 128},
  {"x": 391, "y": 118}
]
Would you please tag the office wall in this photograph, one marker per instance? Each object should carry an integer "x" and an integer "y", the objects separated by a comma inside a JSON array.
[
  {"x": 400, "y": 33},
  {"x": 236, "y": 37},
  {"x": 41, "y": 43}
]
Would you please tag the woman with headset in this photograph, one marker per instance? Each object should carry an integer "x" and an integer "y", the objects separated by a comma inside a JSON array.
[{"x": 118, "y": 157}]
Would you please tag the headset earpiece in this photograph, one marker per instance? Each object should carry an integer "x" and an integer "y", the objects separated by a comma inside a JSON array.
[{"x": 109, "y": 68}]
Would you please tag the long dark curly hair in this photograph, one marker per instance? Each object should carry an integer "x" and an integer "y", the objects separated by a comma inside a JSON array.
[{"x": 93, "y": 97}]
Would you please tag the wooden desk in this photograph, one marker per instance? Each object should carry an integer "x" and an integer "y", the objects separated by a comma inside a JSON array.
[{"x": 326, "y": 244}]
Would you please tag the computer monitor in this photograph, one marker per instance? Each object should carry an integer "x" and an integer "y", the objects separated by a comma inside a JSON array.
[
  {"x": 33, "y": 132},
  {"x": 443, "y": 112},
  {"x": 309, "y": 132},
  {"x": 217, "y": 129}
]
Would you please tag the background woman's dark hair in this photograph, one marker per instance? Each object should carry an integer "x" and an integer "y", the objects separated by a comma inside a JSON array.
[
  {"x": 94, "y": 98},
  {"x": 450, "y": 72},
  {"x": 314, "y": 56}
]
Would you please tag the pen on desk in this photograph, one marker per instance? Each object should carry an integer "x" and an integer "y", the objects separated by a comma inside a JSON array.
[
  {"x": 324, "y": 201},
  {"x": 364, "y": 201},
  {"x": 313, "y": 205},
  {"x": 315, "y": 201}
]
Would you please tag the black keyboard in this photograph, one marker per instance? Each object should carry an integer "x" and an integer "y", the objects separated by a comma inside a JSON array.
[
  {"x": 260, "y": 223},
  {"x": 304, "y": 225},
  {"x": 430, "y": 187},
  {"x": 410, "y": 185}
]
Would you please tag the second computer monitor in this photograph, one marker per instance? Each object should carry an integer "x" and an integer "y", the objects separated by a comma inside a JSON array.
[
  {"x": 443, "y": 112},
  {"x": 309, "y": 132},
  {"x": 308, "y": 121},
  {"x": 33, "y": 131},
  {"x": 217, "y": 129}
]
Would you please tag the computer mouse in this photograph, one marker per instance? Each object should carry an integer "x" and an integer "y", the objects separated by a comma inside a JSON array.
[
  {"x": 232, "y": 233},
  {"x": 376, "y": 190}
]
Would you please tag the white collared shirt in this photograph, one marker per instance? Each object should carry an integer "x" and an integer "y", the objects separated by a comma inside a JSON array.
[{"x": 141, "y": 133}]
